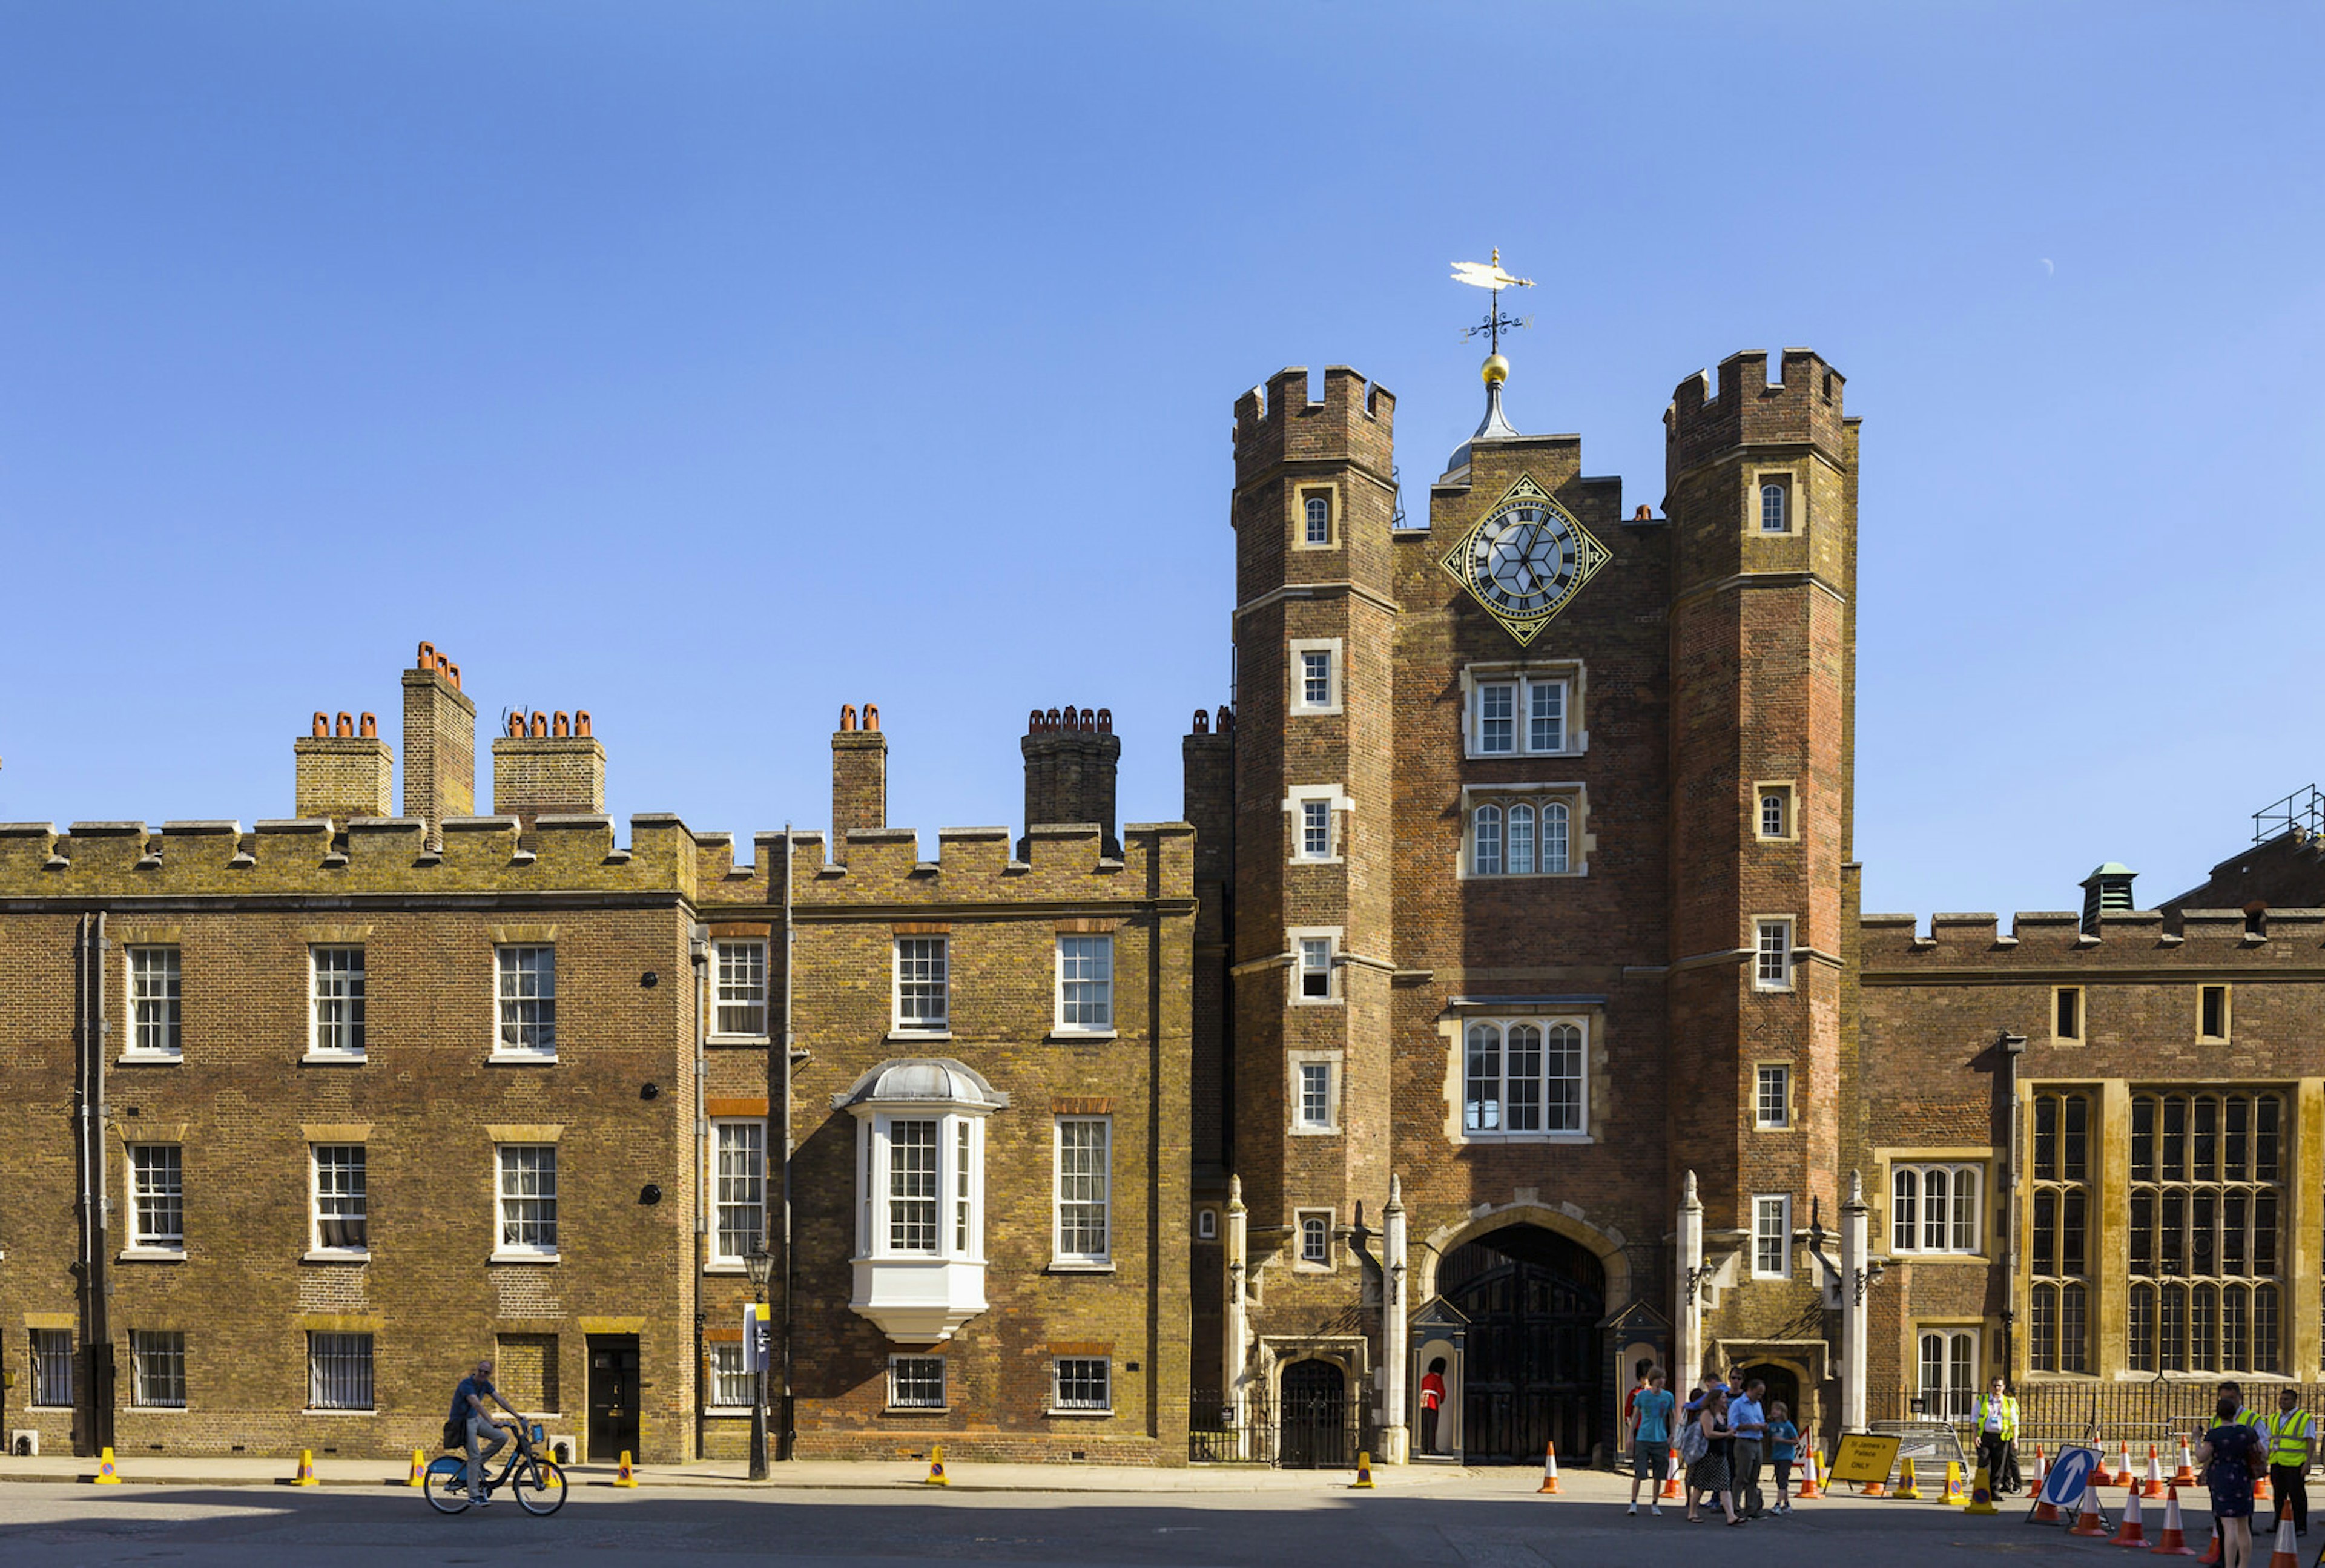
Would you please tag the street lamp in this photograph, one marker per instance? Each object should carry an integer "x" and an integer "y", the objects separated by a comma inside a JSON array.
[{"x": 760, "y": 1265}]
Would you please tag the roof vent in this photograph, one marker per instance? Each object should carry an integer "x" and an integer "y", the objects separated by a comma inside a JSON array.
[{"x": 2106, "y": 891}]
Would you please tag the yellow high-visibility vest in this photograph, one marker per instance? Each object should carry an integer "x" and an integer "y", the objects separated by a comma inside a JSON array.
[{"x": 2288, "y": 1432}]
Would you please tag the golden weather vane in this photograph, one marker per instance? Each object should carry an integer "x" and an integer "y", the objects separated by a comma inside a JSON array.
[{"x": 1490, "y": 275}]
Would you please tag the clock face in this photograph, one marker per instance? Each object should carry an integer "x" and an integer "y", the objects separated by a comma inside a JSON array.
[{"x": 1524, "y": 559}]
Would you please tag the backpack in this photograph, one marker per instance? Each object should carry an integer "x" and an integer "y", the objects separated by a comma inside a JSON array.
[
  {"x": 456, "y": 1434},
  {"x": 1693, "y": 1443}
]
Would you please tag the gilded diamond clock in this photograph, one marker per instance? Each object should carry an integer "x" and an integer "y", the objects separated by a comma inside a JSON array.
[{"x": 1525, "y": 559}]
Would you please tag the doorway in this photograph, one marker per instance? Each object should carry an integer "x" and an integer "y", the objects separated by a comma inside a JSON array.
[
  {"x": 613, "y": 1397},
  {"x": 1533, "y": 1371},
  {"x": 1312, "y": 1430}
]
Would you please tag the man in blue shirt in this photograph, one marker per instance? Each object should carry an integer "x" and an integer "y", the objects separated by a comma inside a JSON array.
[
  {"x": 1747, "y": 1415},
  {"x": 483, "y": 1427},
  {"x": 1651, "y": 1437}
]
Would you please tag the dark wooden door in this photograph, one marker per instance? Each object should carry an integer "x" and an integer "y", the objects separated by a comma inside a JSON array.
[
  {"x": 1312, "y": 1430},
  {"x": 613, "y": 1397},
  {"x": 1533, "y": 1372}
]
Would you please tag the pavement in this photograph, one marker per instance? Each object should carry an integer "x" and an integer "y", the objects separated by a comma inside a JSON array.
[{"x": 879, "y": 1515}]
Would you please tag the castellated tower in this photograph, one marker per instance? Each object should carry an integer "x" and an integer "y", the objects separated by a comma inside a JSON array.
[
  {"x": 1760, "y": 478},
  {"x": 1311, "y": 959}
]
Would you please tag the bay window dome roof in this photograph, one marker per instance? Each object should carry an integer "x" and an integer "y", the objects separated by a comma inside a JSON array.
[{"x": 922, "y": 1080}]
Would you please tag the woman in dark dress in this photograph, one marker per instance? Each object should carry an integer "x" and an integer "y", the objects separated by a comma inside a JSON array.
[
  {"x": 1711, "y": 1474},
  {"x": 2228, "y": 1453}
]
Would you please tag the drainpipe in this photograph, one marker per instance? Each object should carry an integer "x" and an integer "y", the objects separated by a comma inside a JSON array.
[
  {"x": 697, "y": 953},
  {"x": 2011, "y": 1047},
  {"x": 1396, "y": 1436},
  {"x": 89, "y": 1114},
  {"x": 788, "y": 1435}
]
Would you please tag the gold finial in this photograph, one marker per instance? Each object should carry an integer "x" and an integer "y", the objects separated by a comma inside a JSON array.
[{"x": 1497, "y": 370}]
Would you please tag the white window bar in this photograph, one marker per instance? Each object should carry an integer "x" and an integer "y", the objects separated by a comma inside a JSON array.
[
  {"x": 1774, "y": 1108},
  {"x": 342, "y": 1204},
  {"x": 1497, "y": 716},
  {"x": 338, "y": 1371},
  {"x": 1083, "y": 1180},
  {"x": 339, "y": 999},
  {"x": 1315, "y": 1094},
  {"x": 1315, "y": 967},
  {"x": 1086, "y": 982},
  {"x": 155, "y": 1001},
  {"x": 1316, "y": 1239},
  {"x": 1316, "y": 679},
  {"x": 916, "y": 1382},
  {"x": 158, "y": 1369},
  {"x": 1773, "y": 956},
  {"x": 1082, "y": 1383},
  {"x": 1546, "y": 716},
  {"x": 742, "y": 984},
  {"x": 1315, "y": 829},
  {"x": 731, "y": 1383},
  {"x": 740, "y": 1198},
  {"x": 52, "y": 1368},
  {"x": 528, "y": 1198},
  {"x": 1772, "y": 1235},
  {"x": 921, "y": 989},
  {"x": 157, "y": 1193},
  {"x": 912, "y": 1186},
  {"x": 528, "y": 1000}
]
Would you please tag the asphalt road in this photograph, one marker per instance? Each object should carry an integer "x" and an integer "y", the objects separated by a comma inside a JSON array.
[{"x": 1481, "y": 1525}]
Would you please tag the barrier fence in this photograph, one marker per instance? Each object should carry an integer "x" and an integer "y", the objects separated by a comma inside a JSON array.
[{"x": 2149, "y": 1411}]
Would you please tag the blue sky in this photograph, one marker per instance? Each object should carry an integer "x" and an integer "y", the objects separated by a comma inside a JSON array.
[{"x": 709, "y": 366}]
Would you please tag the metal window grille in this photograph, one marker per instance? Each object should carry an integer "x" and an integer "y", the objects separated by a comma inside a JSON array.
[
  {"x": 916, "y": 1382},
  {"x": 1083, "y": 1178},
  {"x": 1546, "y": 716},
  {"x": 52, "y": 1367},
  {"x": 339, "y": 998},
  {"x": 1521, "y": 844},
  {"x": 1776, "y": 1094},
  {"x": 912, "y": 1186},
  {"x": 528, "y": 998},
  {"x": 742, "y": 988},
  {"x": 1316, "y": 679},
  {"x": 528, "y": 1197},
  {"x": 1315, "y": 1094},
  {"x": 158, "y": 1369},
  {"x": 740, "y": 1196},
  {"x": 1486, "y": 842},
  {"x": 1086, "y": 982},
  {"x": 1319, "y": 520},
  {"x": 1553, "y": 837},
  {"x": 158, "y": 1194},
  {"x": 1081, "y": 1383},
  {"x": 1315, "y": 1239},
  {"x": 1772, "y": 1235},
  {"x": 1315, "y": 829},
  {"x": 920, "y": 983},
  {"x": 731, "y": 1380},
  {"x": 1497, "y": 716},
  {"x": 154, "y": 999},
  {"x": 1772, "y": 508},
  {"x": 342, "y": 1203},
  {"x": 526, "y": 1370},
  {"x": 1775, "y": 955},
  {"x": 339, "y": 1372},
  {"x": 1315, "y": 966}
]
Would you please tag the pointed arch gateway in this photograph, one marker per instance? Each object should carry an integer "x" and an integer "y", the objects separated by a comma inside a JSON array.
[{"x": 1534, "y": 1368}]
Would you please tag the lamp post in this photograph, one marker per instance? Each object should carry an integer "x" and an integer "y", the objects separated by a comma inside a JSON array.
[{"x": 760, "y": 1263}]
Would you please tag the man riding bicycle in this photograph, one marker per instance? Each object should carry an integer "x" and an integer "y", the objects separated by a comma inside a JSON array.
[{"x": 483, "y": 1428}]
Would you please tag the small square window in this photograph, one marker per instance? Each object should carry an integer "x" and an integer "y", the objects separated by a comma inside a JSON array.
[
  {"x": 1316, "y": 1239},
  {"x": 2067, "y": 1014},
  {"x": 1773, "y": 1108},
  {"x": 2212, "y": 1013},
  {"x": 1773, "y": 956},
  {"x": 1081, "y": 1383},
  {"x": 1207, "y": 1224},
  {"x": 916, "y": 1382},
  {"x": 1315, "y": 968}
]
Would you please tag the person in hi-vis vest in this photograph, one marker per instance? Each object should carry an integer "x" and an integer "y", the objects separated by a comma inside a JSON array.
[
  {"x": 2291, "y": 1446},
  {"x": 1997, "y": 1437}
]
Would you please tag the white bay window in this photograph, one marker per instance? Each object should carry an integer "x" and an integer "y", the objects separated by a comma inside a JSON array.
[{"x": 919, "y": 1232}]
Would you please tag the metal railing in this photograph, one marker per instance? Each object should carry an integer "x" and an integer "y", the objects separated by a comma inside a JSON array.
[
  {"x": 2158, "y": 1411},
  {"x": 2304, "y": 808}
]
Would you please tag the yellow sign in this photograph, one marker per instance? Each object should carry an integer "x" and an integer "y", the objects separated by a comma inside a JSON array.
[{"x": 1864, "y": 1459}]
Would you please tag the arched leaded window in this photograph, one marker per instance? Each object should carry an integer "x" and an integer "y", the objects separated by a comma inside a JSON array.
[
  {"x": 1521, "y": 846},
  {"x": 1486, "y": 842},
  {"x": 1772, "y": 508},
  {"x": 1319, "y": 520},
  {"x": 1553, "y": 837}
]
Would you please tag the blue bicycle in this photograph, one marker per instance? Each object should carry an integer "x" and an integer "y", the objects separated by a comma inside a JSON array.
[{"x": 537, "y": 1482}]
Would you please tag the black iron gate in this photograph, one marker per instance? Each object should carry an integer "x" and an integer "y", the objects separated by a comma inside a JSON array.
[{"x": 1312, "y": 1433}]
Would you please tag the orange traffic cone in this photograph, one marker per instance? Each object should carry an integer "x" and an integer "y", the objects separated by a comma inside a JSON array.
[
  {"x": 2288, "y": 1550},
  {"x": 1810, "y": 1491},
  {"x": 2185, "y": 1476},
  {"x": 2212, "y": 1551},
  {"x": 2122, "y": 1476},
  {"x": 2153, "y": 1486},
  {"x": 2174, "y": 1543},
  {"x": 1549, "y": 1469},
  {"x": 2089, "y": 1522},
  {"x": 2260, "y": 1493},
  {"x": 1671, "y": 1492},
  {"x": 2133, "y": 1531}
]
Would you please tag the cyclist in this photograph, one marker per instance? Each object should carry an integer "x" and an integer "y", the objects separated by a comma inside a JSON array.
[{"x": 483, "y": 1427}]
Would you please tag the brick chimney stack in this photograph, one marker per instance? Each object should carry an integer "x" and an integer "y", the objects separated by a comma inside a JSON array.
[
  {"x": 345, "y": 774},
  {"x": 1071, "y": 758},
  {"x": 860, "y": 777},
  {"x": 439, "y": 744},
  {"x": 547, "y": 763}
]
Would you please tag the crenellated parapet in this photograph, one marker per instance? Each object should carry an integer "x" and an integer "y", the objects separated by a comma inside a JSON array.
[
  {"x": 1277, "y": 423},
  {"x": 2197, "y": 939},
  {"x": 1744, "y": 407}
]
